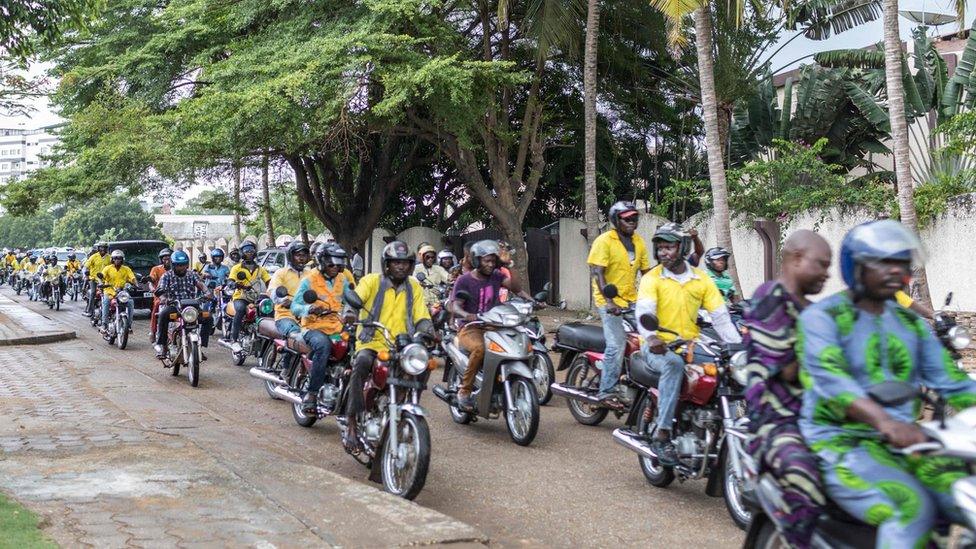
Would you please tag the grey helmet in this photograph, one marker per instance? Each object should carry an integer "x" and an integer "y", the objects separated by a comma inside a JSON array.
[
  {"x": 619, "y": 208},
  {"x": 330, "y": 254},
  {"x": 717, "y": 252},
  {"x": 398, "y": 250},
  {"x": 481, "y": 249}
]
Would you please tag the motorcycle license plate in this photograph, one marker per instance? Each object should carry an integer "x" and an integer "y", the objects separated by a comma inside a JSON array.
[{"x": 146, "y": 294}]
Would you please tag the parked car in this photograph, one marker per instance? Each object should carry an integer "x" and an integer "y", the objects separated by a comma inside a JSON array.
[{"x": 271, "y": 259}]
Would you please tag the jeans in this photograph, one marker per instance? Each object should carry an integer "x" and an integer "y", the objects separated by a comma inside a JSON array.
[
  {"x": 206, "y": 325},
  {"x": 671, "y": 367},
  {"x": 90, "y": 306},
  {"x": 613, "y": 355},
  {"x": 286, "y": 326},
  {"x": 240, "y": 309},
  {"x": 321, "y": 345},
  {"x": 362, "y": 367},
  {"x": 106, "y": 300}
]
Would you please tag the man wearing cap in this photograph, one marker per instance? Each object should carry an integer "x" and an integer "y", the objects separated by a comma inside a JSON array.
[{"x": 436, "y": 275}]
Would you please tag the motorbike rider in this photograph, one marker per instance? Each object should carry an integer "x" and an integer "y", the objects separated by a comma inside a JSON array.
[
  {"x": 329, "y": 281},
  {"x": 395, "y": 299},
  {"x": 483, "y": 286},
  {"x": 289, "y": 276},
  {"x": 94, "y": 265},
  {"x": 10, "y": 260},
  {"x": 675, "y": 291},
  {"x": 446, "y": 259},
  {"x": 155, "y": 274},
  {"x": 773, "y": 392},
  {"x": 180, "y": 282},
  {"x": 615, "y": 259},
  {"x": 436, "y": 275},
  {"x": 234, "y": 255},
  {"x": 860, "y": 337},
  {"x": 216, "y": 270},
  {"x": 253, "y": 273},
  {"x": 717, "y": 265},
  {"x": 72, "y": 266},
  {"x": 115, "y": 276},
  {"x": 51, "y": 273}
]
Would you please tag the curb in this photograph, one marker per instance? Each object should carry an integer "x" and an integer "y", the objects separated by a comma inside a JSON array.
[{"x": 38, "y": 339}]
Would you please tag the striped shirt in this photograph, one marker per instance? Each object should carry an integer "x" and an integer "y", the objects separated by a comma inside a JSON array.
[{"x": 180, "y": 287}]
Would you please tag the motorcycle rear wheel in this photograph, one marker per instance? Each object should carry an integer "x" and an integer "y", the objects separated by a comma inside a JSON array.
[
  {"x": 453, "y": 383},
  {"x": 193, "y": 367},
  {"x": 585, "y": 413},
  {"x": 299, "y": 381},
  {"x": 523, "y": 420},
  {"x": 769, "y": 538},
  {"x": 414, "y": 452},
  {"x": 266, "y": 362},
  {"x": 548, "y": 374},
  {"x": 654, "y": 472}
]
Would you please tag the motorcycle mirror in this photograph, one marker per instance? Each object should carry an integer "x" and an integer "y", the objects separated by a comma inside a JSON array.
[
  {"x": 892, "y": 393},
  {"x": 352, "y": 299},
  {"x": 610, "y": 291},
  {"x": 547, "y": 287},
  {"x": 309, "y": 296},
  {"x": 421, "y": 276},
  {"x": 649, "y": 322},
  {"x": 948, "y": 299},
  {"x": 281, "y": 292},
  {"x": 241, "y": 276}
]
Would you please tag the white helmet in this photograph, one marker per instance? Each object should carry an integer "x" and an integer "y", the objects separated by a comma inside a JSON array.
[{"x": 118, "y": 254}]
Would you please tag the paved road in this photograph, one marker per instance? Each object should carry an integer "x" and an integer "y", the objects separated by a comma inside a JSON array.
[{"x": 572, "y": 487}]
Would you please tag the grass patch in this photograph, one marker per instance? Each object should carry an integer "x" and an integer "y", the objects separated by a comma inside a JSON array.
[{"x": 18, "y": 527}]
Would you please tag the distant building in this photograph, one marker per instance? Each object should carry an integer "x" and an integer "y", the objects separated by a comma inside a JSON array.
[
  {"x": 196, "y": 227},
  {"x": 21, "y": 150}
]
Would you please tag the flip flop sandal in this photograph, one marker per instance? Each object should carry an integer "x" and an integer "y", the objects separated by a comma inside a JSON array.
[{"x": 351, "y": 444}]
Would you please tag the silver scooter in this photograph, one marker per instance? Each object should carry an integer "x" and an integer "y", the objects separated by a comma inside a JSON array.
[{"x": 508, "y": 357}]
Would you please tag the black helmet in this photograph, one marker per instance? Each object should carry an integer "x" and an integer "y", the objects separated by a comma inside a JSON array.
[
  {"x": 717, "y": 252},
  {"x": 673, "y": 232},
  {"x": 619, "y": 208},
  {"x": 398, "y": 250},
  {"x": 330, "y": 254},
  {"x": 292, "y": 249},
  {"x": 483, "y": 248},
  {"x": 101, "y": 245},
  {"x": 72, "y": 256},
  {"x": 165, "y": 252}
]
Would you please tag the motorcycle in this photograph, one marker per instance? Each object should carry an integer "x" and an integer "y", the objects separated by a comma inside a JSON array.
[
  {"x": 55, "y": 298},
  {"x": 393, "y": 428},
  {"x": 118, "y": 329},
  {"x": 953, "y": 436},
  {"x": 506, "y": 382},
  {"x": 16, "y": 282},
  {"x": 5, "y": 274},
  {"x": 184, "y": 338},
  {"x": 34, "y": 287},
  {"x": 710, "y": 429},
  {"x": 258, "y": 306},
  {"x": 285, "y": 367},
  {"x": 75, "y": 286}
]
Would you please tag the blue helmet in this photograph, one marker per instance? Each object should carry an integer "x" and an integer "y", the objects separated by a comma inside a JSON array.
[
  {"x": 180, "y": 258},
  {"x": 248, "y": 245},
  {"x": 216, "y": 252},
  {"x": 874, "y": 241}
]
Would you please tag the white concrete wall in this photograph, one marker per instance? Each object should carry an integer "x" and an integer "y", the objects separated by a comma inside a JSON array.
[
  {"x": 414, "y": 236},
  {"x": 574, "y": 278},
  {"x": 746, "y": 245},
  {"x": 948, "y": 245}
]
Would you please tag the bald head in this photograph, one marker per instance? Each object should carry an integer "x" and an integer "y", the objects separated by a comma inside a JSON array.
[{"x": 806, "y": 263}]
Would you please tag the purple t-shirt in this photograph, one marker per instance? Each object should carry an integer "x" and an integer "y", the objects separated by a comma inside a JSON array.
[{"x": 484, "y": 292}]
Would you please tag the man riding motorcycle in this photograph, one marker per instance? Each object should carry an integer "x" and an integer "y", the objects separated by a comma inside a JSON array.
[
  {"x": 329, "y": 281},
  {"x": 773, "y": 392},
  {"x": 253, "y": 273},
  {"x": 395, "y": 299},
  {"x": 94, "y": 265},
  {"x": 114, "y": 277},
  {"x": 615, "y": 259},
  {"x": 446, "y": 259},
  {"x": 858, "y": 338},
  {"x": 216, "y": 270},
  {"x": 717, "y": 265},
  {"x": 51, "y": 273},
  {"x": 155, "y": 275},
  {"x": 436, "y": 275},
  {"x": 675, "y": 291},
  {"x": 289, "y": 276},
  {"x": 179, "y": 283},
  {"x": 72, "y": 266},
  {"x": 483, "y": 287},
  {"x": 234, "y": 255}
]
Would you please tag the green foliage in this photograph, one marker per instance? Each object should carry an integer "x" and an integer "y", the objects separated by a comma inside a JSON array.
[
  {"x": 285, "y": 214},
  {"x": 19, "y": 527},
  {"x": 209, "y": 202},
  {"x": 932, "y": 198},
  {"x": 960, "y": 133},
  {"x": 117, "y": 217},
  {"x": 25, "y": 26},
  {"x": 26, "y": 232}
]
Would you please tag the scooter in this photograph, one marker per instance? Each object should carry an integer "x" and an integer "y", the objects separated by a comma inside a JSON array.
[{"x": 506, "y": 383}]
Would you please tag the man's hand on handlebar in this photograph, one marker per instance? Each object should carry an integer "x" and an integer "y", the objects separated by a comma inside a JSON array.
[
  {"x": 656, "y": 346},
  {"x": 318, "y": 310},
  {"x": 900, "y": 434}
]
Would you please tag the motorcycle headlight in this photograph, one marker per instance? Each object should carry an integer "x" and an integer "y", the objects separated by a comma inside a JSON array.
[
  {"x": 737, "y": 365},
  {"x": 413, "y": 359},
  {"x": 959, "y": 337},
  {"x": 122, "y": 297},
  {"x": 190, "y": 315},
  {"x": 266, "y": 307}
]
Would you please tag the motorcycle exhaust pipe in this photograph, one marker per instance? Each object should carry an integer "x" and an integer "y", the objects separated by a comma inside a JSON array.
[
  {"x": 266, "y": 376},
  {"x": 634, "y": 442},
  {"x": 287, "y": 394},
  {"x": 574, "y": 393},
  {"x": 225, "y": 343},
  {"x": 441, "y": 392}
]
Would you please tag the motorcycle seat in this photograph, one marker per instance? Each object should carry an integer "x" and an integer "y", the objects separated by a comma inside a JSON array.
[
  {"x": 840, "y": 529},
  {"x": 297, "y": 343},
  {"x": 268, "y": 329},
  {"x": 586, "y": 337},
  {"x": 641, "y": 371}
]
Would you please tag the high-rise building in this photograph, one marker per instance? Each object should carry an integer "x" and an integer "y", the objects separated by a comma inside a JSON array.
[{"x": 22, "y": 150}]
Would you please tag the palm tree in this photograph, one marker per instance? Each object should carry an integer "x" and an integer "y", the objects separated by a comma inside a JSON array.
[
  {"x": 590, "y": 204},
  {"x": 899, "y": 132},
  {"x": 266, "y": 194}
]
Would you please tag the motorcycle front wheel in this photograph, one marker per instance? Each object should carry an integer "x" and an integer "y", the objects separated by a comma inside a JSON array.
[
  {"x": 545, "y": 374},
  {"x": 193, "y": 366},
  {"x": 585, "y": 413},
  {"x": 732, "y": 488},
  {"x": 122, "y": 332},
  {"x": 522, "y": 419},
  {"x": 405, "y": 466},
  {"x": 654, "y": 472}
]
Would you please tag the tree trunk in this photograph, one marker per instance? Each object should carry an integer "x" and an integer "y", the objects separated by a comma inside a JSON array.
[
  {"x": 237, "y": 203},
  {"x": 713, "y": 143},
  {"x": 266, "y": 190},
  {"x": 302, "y": 225},
  {"x": 590, "y": 203},
  {"x": 899, "y": 135}
]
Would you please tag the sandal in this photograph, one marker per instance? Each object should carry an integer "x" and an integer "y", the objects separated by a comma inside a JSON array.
[
  {"x": 613, "y": 402},
  {"x": 350, "y": 442}
]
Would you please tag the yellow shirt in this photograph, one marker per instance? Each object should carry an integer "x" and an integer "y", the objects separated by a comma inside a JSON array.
[
  {"x": 904, "y": 299},
  {"x": 72, "y": 266},
  {"x": 394, "y": 312},
  {"x": 609, "y": 252},
  {"x": 116, "y": 278},
  {"x": 289, "y": 278},
  {"x": 52, "y": 272},
  {"x": 95, "y": 263},
  {"x": 29, "y": 266},
  {"x": 250, "y": 277},
  {"x": 677, "y": 303},
  {"x": 11, "y": 260}
]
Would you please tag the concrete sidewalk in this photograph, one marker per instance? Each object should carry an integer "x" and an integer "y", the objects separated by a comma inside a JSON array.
[
  {"x": 109, "y": 457},
  {"x": 22, "y": 326}
]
